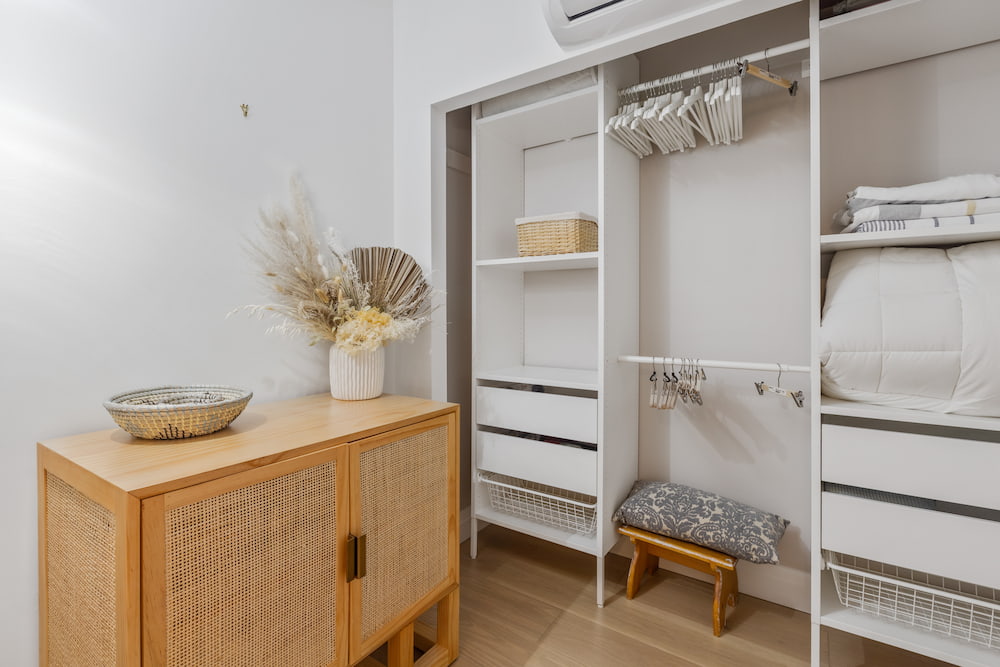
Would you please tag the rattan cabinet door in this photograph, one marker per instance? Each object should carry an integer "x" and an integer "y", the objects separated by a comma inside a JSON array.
[
  {"x": 404, "y": 498},
  {"x": 248, "y": 570}
]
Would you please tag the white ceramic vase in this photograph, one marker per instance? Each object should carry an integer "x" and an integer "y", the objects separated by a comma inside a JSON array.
[{"x": 356, "y": 376}]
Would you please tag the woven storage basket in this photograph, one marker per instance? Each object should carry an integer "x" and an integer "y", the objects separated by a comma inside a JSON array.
[
  {"x": 170, "y": 413},
  {"x": 556, "y": 234}
]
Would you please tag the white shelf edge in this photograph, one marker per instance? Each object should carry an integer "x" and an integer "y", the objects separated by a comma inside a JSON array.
[
  {"x": 937, "y": 236},
  {"x": 902, "y": 30},
  {"x": 862, "y": 14},
  {"x": 576, "y": 260},
  {"x": 585, "y": 543},
  {"x": 936, "y": 645},
  {"x": 535, "y": 107},
  {"x": 834, "y": 406},
  {"x": 567, "y": 378}
]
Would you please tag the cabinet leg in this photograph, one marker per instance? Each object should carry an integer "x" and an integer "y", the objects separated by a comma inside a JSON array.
[
  {"x": 600, "y": 581},
  {"x": 447, "y": 624},
  {"x": 401, "y": 648}
]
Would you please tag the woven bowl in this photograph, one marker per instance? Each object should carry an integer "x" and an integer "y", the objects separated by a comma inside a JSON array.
[{"x": 170, "y": 413}]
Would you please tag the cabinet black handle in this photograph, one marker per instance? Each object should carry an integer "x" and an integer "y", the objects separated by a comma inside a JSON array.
[{"x": 357, "y": 556}]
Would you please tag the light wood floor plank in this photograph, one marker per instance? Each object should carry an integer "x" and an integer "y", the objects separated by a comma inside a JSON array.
[{"x": 526, "y": 602}]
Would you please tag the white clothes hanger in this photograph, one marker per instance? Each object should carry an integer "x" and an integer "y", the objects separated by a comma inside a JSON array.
[
  {"x": 675, "y": 124},
  {"x": 694, "y": 113},
  {"x": 638, "y": 137},
  {"x": 628, "y": 140}
]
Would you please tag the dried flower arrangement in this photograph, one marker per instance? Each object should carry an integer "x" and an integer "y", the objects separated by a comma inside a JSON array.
[{"x": 358, "y": 300}]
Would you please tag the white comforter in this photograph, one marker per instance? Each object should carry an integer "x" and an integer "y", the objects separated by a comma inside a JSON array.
[{"x": 914, "y": 328}]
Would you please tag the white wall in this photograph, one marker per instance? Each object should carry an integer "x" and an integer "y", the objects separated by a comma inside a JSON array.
[{"x": 128, "y": 180}]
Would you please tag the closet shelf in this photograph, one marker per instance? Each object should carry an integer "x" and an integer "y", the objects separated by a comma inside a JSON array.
[
  {"x": 558, "y": 118},
  {"x": 566, "y": 378},
  {"x": 834, "y": 406},
  {"x": 931, "y": 237},
  {"x": 576, "y": 260},
  {"x": 835, "y": 615},
  {"x": 900, "y": 30}
]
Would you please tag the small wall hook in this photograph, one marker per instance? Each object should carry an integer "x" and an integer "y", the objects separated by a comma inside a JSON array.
[{"x": 246, "y": 109}]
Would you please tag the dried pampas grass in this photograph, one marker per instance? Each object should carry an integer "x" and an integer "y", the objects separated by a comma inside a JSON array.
[{"x": 358, "y": 300}]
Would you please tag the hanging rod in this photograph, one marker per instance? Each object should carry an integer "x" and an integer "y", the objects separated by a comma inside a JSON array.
[
  {"x": 737, "y": 365},
  {"x": 791, "y": 47}
]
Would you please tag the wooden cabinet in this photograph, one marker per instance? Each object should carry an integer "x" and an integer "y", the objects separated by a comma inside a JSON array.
[
  {"x": 555, "y": 433},
  {"x": 310, "y": 532}
]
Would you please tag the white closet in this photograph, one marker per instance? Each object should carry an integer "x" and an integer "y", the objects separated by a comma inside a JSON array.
[
  {"x": 555, "y": 441},
  {"x": 901, "y": 495},
  {"x": 554, "y": 408}
]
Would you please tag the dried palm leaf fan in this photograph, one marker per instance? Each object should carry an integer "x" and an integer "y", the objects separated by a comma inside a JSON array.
[{"x": 394, "y": 280}]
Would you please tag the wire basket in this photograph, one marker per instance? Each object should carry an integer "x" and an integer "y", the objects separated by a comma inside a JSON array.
[
  {"x": 926, "y": 601},
  {"x": 556, "y": 234},
  {"x": 170, "y": 413},
  {"x": 568, "y": 510}
]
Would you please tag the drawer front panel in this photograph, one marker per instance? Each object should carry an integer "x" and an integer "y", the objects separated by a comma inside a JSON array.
[
  {"x": 952, "y": 469},
  {"x": 949, "y": 545},
  {"x": 564, "y": 467},
  {"x": 569, "y": 417}
]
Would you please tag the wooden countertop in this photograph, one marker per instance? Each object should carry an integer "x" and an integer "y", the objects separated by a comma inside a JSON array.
[{"x": 263, "y": 434}]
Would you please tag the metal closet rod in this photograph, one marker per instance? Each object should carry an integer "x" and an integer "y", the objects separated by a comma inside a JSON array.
[
  {"x": 639, "y": 88},
  {"x": 708, "y": 363}
]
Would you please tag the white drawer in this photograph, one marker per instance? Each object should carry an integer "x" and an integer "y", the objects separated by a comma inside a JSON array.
[
  {"x": 569, "y": 417},
  {"x": 952, "y": 469},
  {"x": 564, "y": 467},
  {"x": 949, "y": 545}
]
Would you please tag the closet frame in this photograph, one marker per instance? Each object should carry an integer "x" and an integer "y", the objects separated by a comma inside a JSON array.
[
  {"x": 874, "y": 448},
  {"x": 539, "y": 375},
  {"x": 889, "y": 33}
]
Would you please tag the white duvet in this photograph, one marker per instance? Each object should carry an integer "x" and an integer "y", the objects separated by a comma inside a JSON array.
[{"x": 914, "y": 328}]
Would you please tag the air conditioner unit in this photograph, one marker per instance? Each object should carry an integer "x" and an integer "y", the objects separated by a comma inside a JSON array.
[{"x": 575, "y": 22}]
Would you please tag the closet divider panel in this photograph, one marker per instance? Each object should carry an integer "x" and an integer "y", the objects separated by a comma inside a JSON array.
[{"x": 618, "y": 308}]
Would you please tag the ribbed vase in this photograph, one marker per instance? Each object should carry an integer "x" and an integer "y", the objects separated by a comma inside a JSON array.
[{"x": 356, "y": 376}]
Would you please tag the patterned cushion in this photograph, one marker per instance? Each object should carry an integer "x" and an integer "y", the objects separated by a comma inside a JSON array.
[{"x": 704, "y": 518}]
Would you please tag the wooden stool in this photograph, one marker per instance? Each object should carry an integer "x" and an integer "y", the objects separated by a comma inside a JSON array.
[{"x": 650, "y": 547}]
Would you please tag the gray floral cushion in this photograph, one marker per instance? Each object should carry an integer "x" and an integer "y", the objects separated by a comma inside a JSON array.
[{"x": 708, "y": 519}]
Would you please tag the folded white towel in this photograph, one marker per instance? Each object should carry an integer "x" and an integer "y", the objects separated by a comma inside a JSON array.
[
  {"x": 923, "y": 223},
  {"x": 915, "y": 211},
  {"x": 952, "y": 188}
]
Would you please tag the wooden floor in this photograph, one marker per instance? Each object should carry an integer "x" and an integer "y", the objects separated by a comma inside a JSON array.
[{"x": 527, "y": 602}]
